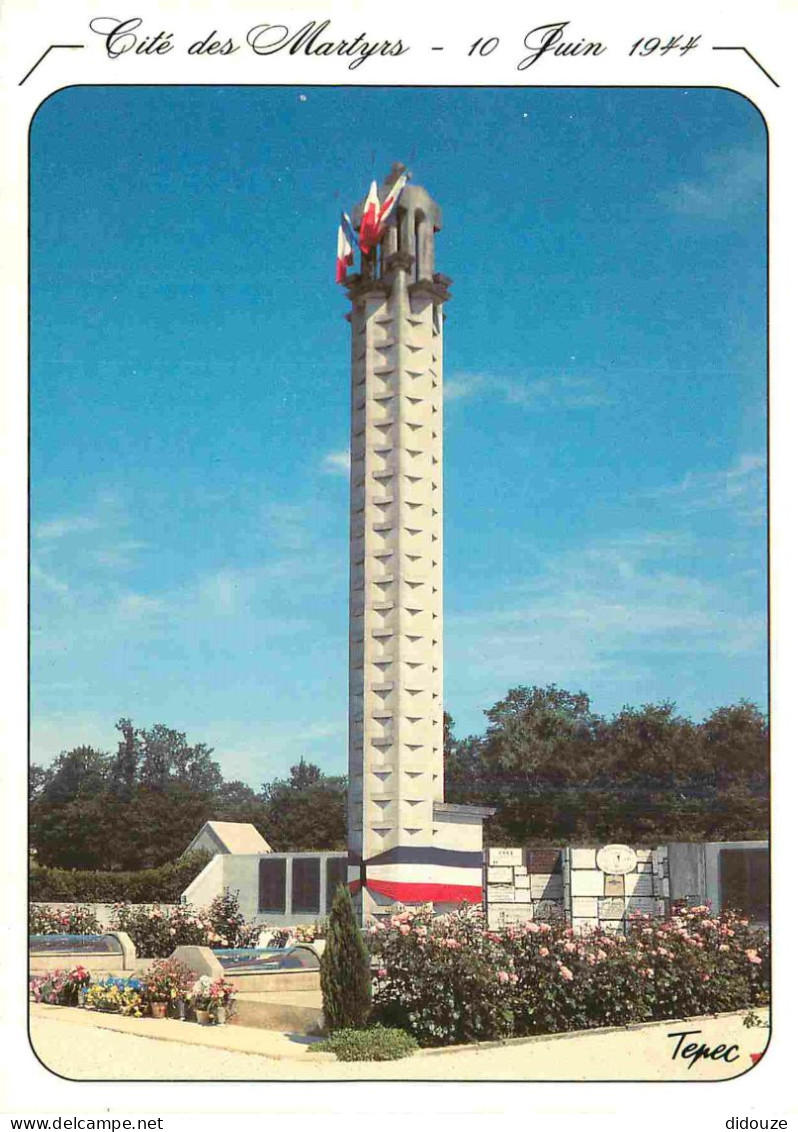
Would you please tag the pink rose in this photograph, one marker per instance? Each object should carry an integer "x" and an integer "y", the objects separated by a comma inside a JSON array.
[
  {"x": 544, "y": 951},
  {"x": 570, "y": 946},
  {"x": 566, "y": 973},
  {"x": 381, "y": 973},
  {"x": 503, "y": 977},
  {"x": 404, "y": 929}
]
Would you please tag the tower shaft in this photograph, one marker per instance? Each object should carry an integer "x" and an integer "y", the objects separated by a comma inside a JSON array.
[{"x": 396, "y": 543}]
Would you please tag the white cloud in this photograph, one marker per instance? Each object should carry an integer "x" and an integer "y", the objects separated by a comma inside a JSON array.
[
  {"x": 731, "y": 180},
  {"x": 740, "y": 488},
  {"x": 58, "y": 528},
  {"x": 137, "y": 607},
  {"x": 611, "y": 609},
  {"x": 558, "y": 391},
  {"x": 337, "y": 463},
  {"x": 462, "y": 385}
]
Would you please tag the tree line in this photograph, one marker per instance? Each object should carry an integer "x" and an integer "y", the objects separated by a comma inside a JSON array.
[{"x": 556, "y": 771}]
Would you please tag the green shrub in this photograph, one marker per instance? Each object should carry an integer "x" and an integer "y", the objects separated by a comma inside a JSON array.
[
  {"x": 163, "y": 885},
  {"x": 378, "y": 1043},
  {"x": 345, "y": 975}
]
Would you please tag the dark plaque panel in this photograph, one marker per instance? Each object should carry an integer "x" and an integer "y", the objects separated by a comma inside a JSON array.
[
  {"x": 306, "y": 885},
  {"x": 271, "y": 886},
  {"x": 543, "y": 861},
  {"x": 745, "y": 882},
  {"x": 336, "y": 874}
]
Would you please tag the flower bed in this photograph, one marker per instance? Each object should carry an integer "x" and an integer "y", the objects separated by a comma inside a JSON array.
[
  {"x": 61, "y": 987},
  {"x": 449, "y": 980},
  {"x": 116, "y": 996}
]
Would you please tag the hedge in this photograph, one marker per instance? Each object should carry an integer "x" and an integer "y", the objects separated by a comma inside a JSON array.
[{"x": 162, "y": 885}]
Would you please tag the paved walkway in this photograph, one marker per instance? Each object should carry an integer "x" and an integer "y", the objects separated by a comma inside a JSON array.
[{"x": 83, "y": 1045}]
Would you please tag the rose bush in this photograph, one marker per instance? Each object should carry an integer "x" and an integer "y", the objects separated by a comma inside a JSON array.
[
  {"x": 74, "y": 920},
  {"x": 450, "y": 979},
  {"x": 444, "y": 980},
  {"x": 157, "y": 931}
]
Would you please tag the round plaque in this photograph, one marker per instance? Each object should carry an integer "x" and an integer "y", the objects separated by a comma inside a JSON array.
[{"x": 616, "y": 859}]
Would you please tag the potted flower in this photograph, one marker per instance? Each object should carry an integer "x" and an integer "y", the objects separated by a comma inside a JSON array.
[
  {"x": 222, "y": 995},
  {"x": 212, "y": 1000},
  {"x": 200, "y": 999},
  {"x": 166, "y": 983},
  {"x": 75, "y": 986}
]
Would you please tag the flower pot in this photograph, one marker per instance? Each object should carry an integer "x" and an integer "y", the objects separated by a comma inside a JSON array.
[
  {"x": 177, "y": 1010},
  {"x": 158, "y": 1009},
  {"x": 203, "y": 1017},
  {"x": 221, "y": 1015}
]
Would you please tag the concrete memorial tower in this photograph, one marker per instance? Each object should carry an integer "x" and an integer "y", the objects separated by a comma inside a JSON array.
[{"x": 405, "y": 844}]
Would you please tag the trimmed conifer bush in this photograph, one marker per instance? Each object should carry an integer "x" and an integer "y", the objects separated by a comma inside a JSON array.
[{"x": 345, "y": 968}]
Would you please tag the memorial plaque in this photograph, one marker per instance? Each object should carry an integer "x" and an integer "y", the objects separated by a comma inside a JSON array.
[
  {"x": 502, "y": 874},
  {"x": 585, "y": 859},
  {"x": 505, "y": 856},
  {"x": 271, "y": 885},
  {"x": 587, "y": 882},
  {"x": 639, "y": 884},
  {"x": 745, "y": 882},
  {"x": 613, "y": 884},
  {"x": 543, "y": 861},
  {"x": 545, "y": 887},
  {"x": 617, "y": 859},
  {"x": 502, "y": 915},
  {"x": 548, "y": 910},
  {"x": 306, "y": 885},
  {"x": 584, "y": 906},
  {"x": 336, "y": 874},
  {"x": 612, "y": 909},
  {"x": 501, "y": 893}
]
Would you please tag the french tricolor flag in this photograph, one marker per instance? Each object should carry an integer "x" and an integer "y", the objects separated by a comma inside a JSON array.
[
  {"x": 390, "y": 201},
  {"x": 375, "y": 215},
  {"x": 345, "y": 254},
  {"x": 370, "y": 224}
]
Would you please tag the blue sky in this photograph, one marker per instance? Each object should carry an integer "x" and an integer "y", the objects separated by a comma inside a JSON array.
[{"x": 605, "y": 417}]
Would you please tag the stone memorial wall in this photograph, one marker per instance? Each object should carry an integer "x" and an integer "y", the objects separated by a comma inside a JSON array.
[
  {"x": 588, "y": 887},
  {"x": 606, "y": 885},
  {"x": 523, "y": 884}
]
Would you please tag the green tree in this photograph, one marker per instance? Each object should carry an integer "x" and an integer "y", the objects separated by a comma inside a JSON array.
[
  {"x": 75, "y": 775},
  {"x": 345, "y": 968},
  {"x": 305, "y": 811}
]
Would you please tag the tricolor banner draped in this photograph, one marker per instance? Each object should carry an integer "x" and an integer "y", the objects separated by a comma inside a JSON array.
[{"x": 419, "y": 874}]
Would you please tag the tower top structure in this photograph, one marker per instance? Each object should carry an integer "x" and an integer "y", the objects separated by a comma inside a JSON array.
[{"x": 408, "y": 242}]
